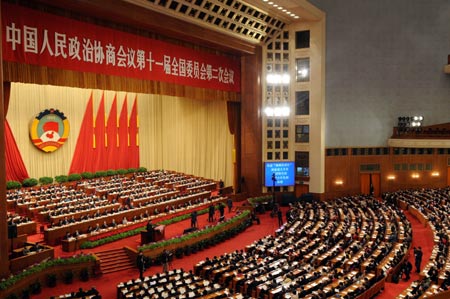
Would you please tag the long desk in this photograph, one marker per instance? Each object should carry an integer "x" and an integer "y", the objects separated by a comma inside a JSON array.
[
  {"x": 54, "y": 235},
  {"x": 158, "y": 233},
  {"x": 22, "y": 262},
  {"x": 28, "y": 228}
]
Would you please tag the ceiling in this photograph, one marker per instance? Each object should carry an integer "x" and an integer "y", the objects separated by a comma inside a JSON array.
[
  {"x": 243, "y": 24},
  {"x": 254, "y": 21}
]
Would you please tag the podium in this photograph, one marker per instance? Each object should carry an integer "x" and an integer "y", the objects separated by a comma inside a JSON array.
[{"x": 158, "y": 234}]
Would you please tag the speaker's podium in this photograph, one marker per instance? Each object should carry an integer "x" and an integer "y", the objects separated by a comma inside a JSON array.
[{"x": 153, "y": 236}]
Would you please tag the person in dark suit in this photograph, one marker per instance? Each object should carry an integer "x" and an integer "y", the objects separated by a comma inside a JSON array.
[
  {"x": 418, "y": 258},
  {"x": 140, "y": 263},
  {"x": 222, "y": 212},
  {"x": 407, "y": 268},
  {"x": 150, "y": 232},
  {"x": 229, "y": 204},
  {"x": 194, "y": 219},
  {"x": 280, "y": 217},
  {"x": 165, "y": 259},
  {"x": 211, "y": 213}
]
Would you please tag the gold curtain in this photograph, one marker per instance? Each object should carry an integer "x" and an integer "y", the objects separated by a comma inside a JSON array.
[
  {"x": 180, "y": 134},
  {"x": 186, "y": 135}
]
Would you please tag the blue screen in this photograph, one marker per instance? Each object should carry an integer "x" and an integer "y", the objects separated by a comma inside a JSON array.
[{"x": 284, "y": 173}]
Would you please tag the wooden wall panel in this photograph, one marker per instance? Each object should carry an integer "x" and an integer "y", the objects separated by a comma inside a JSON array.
[
  {"x": 251, "y": 123},
  {"x": 4, "y": 249},
  {"x": 347, "y": 169}
]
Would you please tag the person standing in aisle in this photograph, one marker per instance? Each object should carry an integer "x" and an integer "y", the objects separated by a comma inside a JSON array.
[{"x": 418, "y": 258}]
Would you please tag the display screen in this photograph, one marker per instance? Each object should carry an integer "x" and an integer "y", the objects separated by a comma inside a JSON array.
[{"x": 283, "y": 172}]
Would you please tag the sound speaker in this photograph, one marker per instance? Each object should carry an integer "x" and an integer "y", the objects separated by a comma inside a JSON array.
[{"x": 12, "y": 231}]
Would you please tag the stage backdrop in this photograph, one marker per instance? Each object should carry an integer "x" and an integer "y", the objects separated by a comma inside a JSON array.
[{"x": 179, "y": 134}]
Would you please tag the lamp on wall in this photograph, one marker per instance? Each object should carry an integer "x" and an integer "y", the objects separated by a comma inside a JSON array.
[
  {"x": 415, "y": 175},
  {"x": 435, "y": 174},
  {"x": 339, "y": 182},
  {"x": 391, "y": 177}
]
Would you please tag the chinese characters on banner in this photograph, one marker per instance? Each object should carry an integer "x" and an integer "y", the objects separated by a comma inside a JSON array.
[{"x": 38, "y": 38}]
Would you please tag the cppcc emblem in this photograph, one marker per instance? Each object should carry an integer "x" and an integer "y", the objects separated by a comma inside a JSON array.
[{"x": 49, "y": 130}]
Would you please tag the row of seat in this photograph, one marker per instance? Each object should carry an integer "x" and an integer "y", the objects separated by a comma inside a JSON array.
[
  {"x": 432, "y": 206},
  {"x": 325, "y": 249}
]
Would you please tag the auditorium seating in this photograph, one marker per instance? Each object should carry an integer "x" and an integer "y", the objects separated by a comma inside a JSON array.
[
  {"x": 70, "y": 210},
  {"x": 171, "y": 284},
  {"x": 431, "y": 207},
  {"x": 344, "y": 247}
]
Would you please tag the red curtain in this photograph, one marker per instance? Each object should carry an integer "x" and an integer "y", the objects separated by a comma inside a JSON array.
[
  {"x": 111, "y": 152},
  {"x": 15, "y": 168},
  {"x": 100, "y": 160},
  {"x": 133, "y": 133},
  {"x": 83, "y": 155},
  {"x": 122, "y": 151}
]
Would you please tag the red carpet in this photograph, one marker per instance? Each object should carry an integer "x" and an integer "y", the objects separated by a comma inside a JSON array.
[
  {"x": 106, "y": 284},
  {"x": 423, "y": 237}
]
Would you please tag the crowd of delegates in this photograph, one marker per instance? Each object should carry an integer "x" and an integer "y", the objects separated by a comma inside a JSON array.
[
  {"x": 341, "y": 248},
  {"x": 13, "y": 218},
  {"x": 92, "y": 293},
  {"x": 434, "y": 205},
  {"x": 171, "y": 284},
  {"x": 338, "y": 248},
  {"x": 68, "y": 206}
]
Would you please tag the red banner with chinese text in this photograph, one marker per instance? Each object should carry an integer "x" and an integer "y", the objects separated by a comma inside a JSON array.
[{"x": 38, "y": 38}]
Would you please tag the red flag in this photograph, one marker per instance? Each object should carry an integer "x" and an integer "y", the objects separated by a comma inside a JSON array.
[
  {"x": 133, "y": 133},
  {"x": 83, "y": 154}
]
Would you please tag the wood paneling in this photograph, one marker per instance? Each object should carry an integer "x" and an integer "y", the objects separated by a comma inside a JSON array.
[
  {"x": 347, "y": 169},
  {"x": 251, "y": 131},
  {"x": 4, "y": 263}
]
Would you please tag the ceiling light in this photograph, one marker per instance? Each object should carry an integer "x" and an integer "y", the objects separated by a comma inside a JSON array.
[{"x": 275, "y": 5}]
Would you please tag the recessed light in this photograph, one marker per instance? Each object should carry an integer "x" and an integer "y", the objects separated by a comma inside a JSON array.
[
  {"x": 280, "y": 7},
  {"x": 296, "y": 17},
  {"x": 275, "y": 5}
]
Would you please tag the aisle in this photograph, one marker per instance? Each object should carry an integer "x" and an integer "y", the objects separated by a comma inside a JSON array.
[{"x": 423, "y": 237}]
